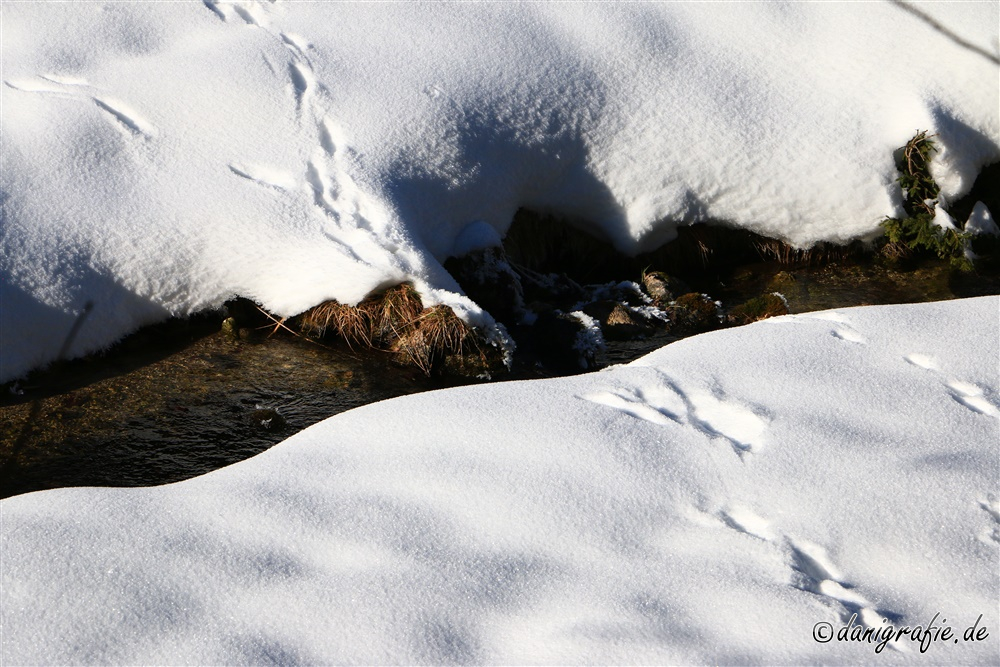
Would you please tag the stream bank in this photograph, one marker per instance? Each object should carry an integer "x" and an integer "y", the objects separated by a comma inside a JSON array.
[{"x": 186, "y": 397}]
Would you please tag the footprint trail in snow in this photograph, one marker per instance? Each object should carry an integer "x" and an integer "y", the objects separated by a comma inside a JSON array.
[
  {"x": 711, "y": 414},
  {"x": 968, "y": 394},
  {"x": 811, "y": 570},
  {"x": 120, "y": 113}
]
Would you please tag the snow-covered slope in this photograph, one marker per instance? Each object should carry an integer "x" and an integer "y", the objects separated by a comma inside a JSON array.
[
  {"x": 681, "y": 509},
  {"x": 159, "y": 158}
]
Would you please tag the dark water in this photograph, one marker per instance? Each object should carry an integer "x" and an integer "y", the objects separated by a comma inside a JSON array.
[
  {"x": 185, "y": 398},
  {"x": 206, "y": 402}
]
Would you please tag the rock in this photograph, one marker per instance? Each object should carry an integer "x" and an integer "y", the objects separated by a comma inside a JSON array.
[
  {"x": 564, "y": 342},
  {"x": 268, "y": 419},
  {"x": 488, "y": 279},
  {"x": 230, "y": 329},
  {"x": 557, "y": 289}
]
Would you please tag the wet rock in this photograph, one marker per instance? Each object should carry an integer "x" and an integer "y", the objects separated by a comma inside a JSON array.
[
  {"x": 566, "y": 342},
  {"x": 782, "y": 279},
  {"x": 230, "y": 329},
  {"x": 557, "y": 289},
  {"x": 488, "y": 279},
  {"x": 268, "y": 419}
]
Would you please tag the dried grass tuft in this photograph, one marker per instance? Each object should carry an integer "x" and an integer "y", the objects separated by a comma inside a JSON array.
[
  {"x": 349, "y": 322},
  {"x": 435, "y": 334},
  {"x": 391, "y": 313},
  {"x": 375, "y": 322},
  {"x": 395, "y": 320},
  {"x": 818, "y": 255}
]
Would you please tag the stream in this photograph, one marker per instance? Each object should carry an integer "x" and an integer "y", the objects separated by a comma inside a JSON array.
[{"x": 183, "y": 398}]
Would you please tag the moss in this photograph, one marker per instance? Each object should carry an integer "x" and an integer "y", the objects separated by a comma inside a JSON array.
[
  {"x": 230, "y": 328},
  {"x": 757, "y": 308},
  {"x": 662, "y": 288},
  {"x": 693, "y": 313}
]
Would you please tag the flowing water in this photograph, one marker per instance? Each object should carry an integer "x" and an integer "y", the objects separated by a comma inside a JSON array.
[
  {"x": 185, "y": 398},
  {"x": 206, "y": 402}
]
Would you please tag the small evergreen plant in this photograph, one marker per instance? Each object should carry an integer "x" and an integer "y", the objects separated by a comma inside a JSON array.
[{"x": 918, "y": 233}]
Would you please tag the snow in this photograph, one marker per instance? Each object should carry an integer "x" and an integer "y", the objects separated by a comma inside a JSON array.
[
  {"x": 981, "y": 221},
  {"x": 942, "y": 218},
  {"x": 679, "y": 509},
  {"x": 159, "y": 158}
]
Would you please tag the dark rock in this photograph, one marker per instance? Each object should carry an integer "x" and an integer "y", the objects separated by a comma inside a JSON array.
[
  {"x": 488, "y": 279},
  {"x": 561, "y": 342},
  {"x": 268, "y": 419},
  {"x": 557, "y": 289}
]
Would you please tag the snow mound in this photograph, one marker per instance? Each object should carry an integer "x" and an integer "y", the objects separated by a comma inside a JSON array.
[
  {"x": 675, "y": 510},
  {"x": 161, "y": 158}
]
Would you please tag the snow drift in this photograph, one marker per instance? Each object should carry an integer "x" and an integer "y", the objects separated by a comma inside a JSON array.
[
  {"x": 675, "y": 510},
  {"x": 161, "y": 158}
]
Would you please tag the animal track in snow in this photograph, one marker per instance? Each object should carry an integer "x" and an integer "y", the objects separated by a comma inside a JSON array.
[
  {"x": 127, "y": 117},
  {"x": 668, "y": 403},
  {"x": 992, "y": 508},
  {"x": 302, "y": 81},
  {"x": 247, "y": 14},
  {"x": 638, "y": 403},
  {"x": 971, "y": 396},
  {"x": 70, "y": 88},
  {"x": 922, "y": 361},
  {"x": 746, "y": 521},
  {"x": 324, "y": 190},
  {"x": 812, "y": 569},
  {"x": 844, "y": 331},
  {"x": 849, "y": 335},
  {"x": 733, "y": 422},
  {"x": 348, "y": 216},
  {"x": 296, "y": 44},
  {"x": 64, "y": 80},
  {"x": 265, "y": 176},
  {"x": 968, "y": 394},
  {"x": 214, "y": 8},
  {"x": 32, "y": 86},
  {"x": 818, "y": 574}
]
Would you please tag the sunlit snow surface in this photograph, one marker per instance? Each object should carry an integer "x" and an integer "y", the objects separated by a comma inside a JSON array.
[
  {"x": 159, "y": 158},
  {"x": 709, "y": 503}
]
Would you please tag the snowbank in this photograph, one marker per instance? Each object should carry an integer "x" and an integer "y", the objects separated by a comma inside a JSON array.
[
  {"x": 675, "y": 510},
  {"x": 161, "y": 158}
]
